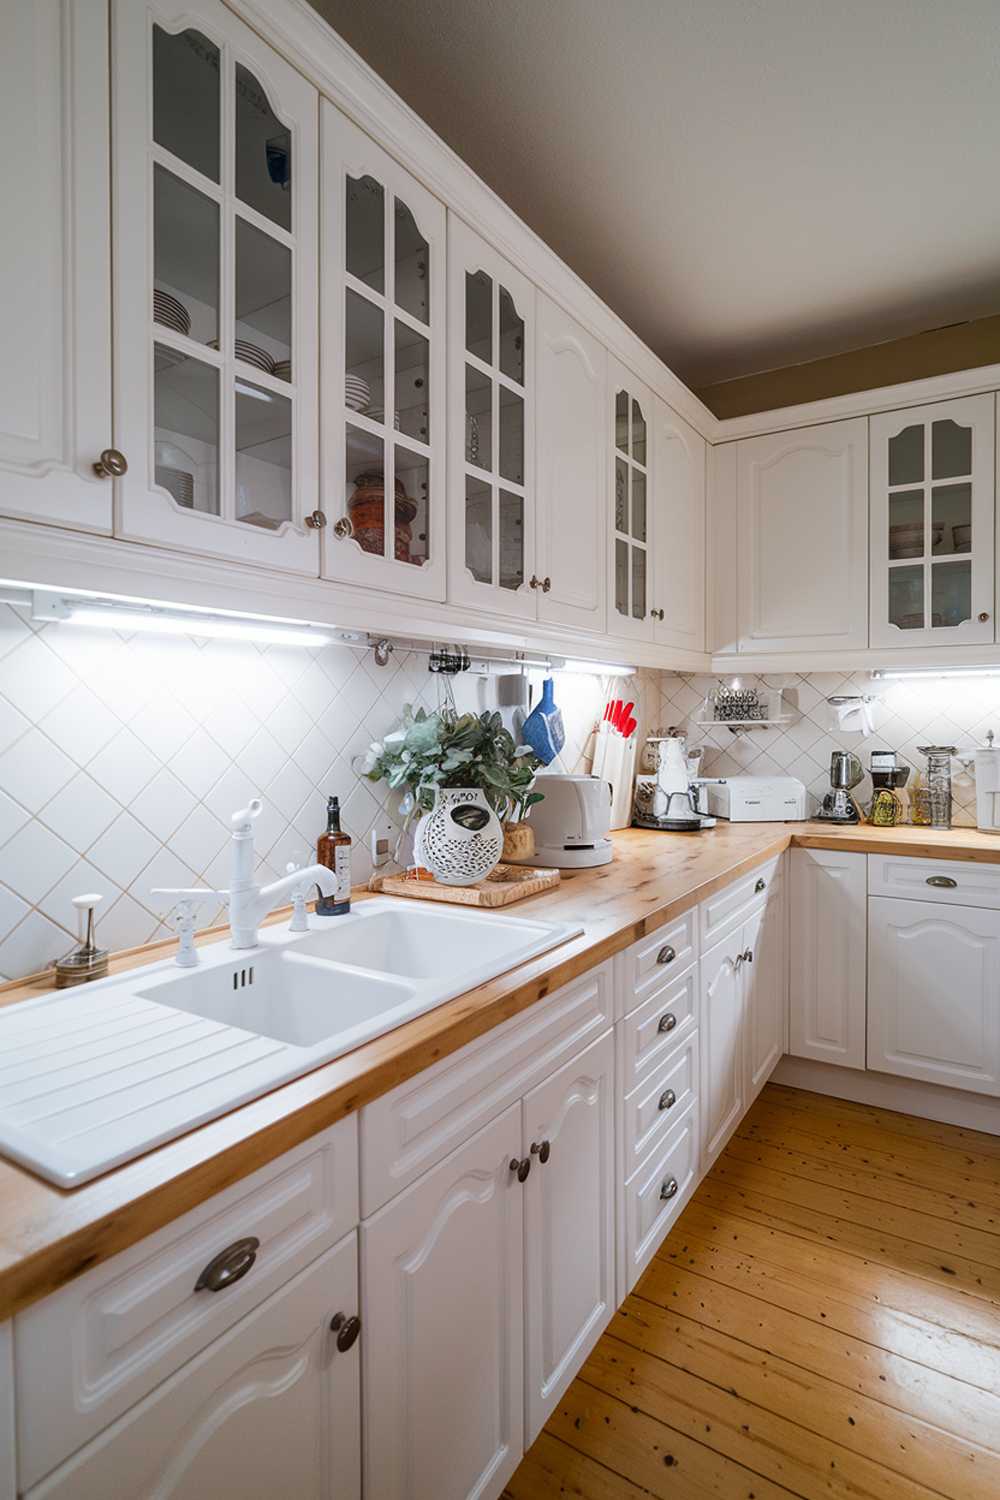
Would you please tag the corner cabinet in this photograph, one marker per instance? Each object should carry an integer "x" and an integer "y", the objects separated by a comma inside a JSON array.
[
  {"x": 932, "y": 524},
  {"x": 216, "y": 298},
  {"x": 383, "y": 358},
  {"x": 827, "y": 971},
  {"x": 55, "y": 384},
  {"x": 491, "y": 416},
  {"x": 629, "y": 550},
  {"x": 802, "y": 539},
  {"x": 677, "y": 590}
]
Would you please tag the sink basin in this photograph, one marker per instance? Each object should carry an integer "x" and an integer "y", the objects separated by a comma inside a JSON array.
[
  {"x": 419, "y": 941},
  {"x": 93, "y": 1078},
  {"x": 285, "y": 996}
]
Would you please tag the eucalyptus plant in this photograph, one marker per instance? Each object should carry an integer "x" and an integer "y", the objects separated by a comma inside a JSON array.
[{"x": 429, "y": 750}]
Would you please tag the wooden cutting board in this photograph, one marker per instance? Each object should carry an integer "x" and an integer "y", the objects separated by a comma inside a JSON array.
[{"x": 507, "y": 883}]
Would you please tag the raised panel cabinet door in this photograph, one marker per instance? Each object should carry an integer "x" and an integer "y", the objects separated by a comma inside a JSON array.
[
  {"x": 55, "y": 260},
  {"x": 383, "y": 361},
  {"x": 491, "y": 429},
  {"x": 932, "y": 524},
  {"x": 8, "y": 1465},
  {"x": 827, "y": 945},
  {"x": 271, "y": 1408},
  {"x": 629, "y": 418},
  {"x": 216, "y": 300},
  {"x": 571, "y": 380},
  {"x": 765, "y": 976},
  {"x": 443, "y": 1278},
  {"x": 678, "y": 594},
  {"x": 802, "y": 532},
  {"x": 933, "y": 987},
  {"x": 723, "y": 1045},
  {"x": 569, "y": 1224}
]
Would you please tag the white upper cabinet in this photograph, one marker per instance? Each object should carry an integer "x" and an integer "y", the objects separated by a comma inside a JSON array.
[
  {"x": 216, "y": 299},
  {"x": 802, "y": 529},
  {"x": 491, "y": 411},
  {"x": 630, "y": 414},
  {"x": 383, "y": 358},
  {"x": 932, "y": 524},
  {"x": 677, "y": 590},
  {"x": 55, "y": 260},
  {"x": 572, "y": 452}
]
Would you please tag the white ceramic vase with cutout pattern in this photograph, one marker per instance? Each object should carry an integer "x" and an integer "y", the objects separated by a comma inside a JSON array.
[{"x": 460, "y": 840}]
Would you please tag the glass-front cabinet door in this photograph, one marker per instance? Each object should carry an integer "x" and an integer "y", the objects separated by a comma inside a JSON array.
[
  {"x": 631, "y": 550},
  {"x": 932, "y": 519},
  {"x": 383, "y": 369},
  {"x": 216, "y": 297},
  {"x": 491, "y": 409}
]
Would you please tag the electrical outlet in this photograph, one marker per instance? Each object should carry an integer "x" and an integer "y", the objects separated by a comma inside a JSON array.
[{"x": 382, "y": 842}]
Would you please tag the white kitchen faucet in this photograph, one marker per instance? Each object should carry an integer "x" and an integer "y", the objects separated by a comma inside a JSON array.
[{"x": 248, "y": 903}]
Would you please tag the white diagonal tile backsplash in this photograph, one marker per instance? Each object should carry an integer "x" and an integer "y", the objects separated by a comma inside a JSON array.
[{"x": 122, "y": 758}]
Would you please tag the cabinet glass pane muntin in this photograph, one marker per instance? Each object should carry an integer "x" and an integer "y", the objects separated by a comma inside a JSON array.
[
  {"x": 187, "y": 98},
  {"x": 186, "y": 258},
  {"x": 186, "y": 429},
  {"x": 223, "y": 273},
  {"x": 630, "y": 507},
  {"x": 930, "y": 521},
  {"x": 494, "y": 439}
]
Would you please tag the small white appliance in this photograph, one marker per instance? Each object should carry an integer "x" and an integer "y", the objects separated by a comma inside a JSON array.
[
  {"x": 758, "y": 799},
  {"x": 571, "y": 823},
  {"x": 988, "y": 786}
]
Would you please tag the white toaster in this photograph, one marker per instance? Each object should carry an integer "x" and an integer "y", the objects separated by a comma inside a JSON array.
[{"x": 758, "y": 799}]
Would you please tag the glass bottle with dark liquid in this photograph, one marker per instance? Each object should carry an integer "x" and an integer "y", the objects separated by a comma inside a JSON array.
[{"x": 333, "y": 849}]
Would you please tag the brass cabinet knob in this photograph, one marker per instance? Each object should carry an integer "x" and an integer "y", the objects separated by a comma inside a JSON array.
[
  {"x": 534, "y": 582},
  {"x": 229, "y": 1266},
  {"x": 656, "y": 614},
  {"x": 316, "y": 520},
  {"x": 667, "y": 1099},
  {"x": 521, "y": 1167},
  {"x": 669, "y": 1189},
  {"x": 111, "y": 464},
  {"x": 542, "y": 1151},
  {"x": 666, "y": 955},
  {"x": 343, "y": 528},
  {"x": 984, "y": 615},
  {"x": 667, "y": 1022},
  {"x": 546, "y": 584},
  {"x": 346, "y": 1329},
  {"x": 760, "y": 886}
]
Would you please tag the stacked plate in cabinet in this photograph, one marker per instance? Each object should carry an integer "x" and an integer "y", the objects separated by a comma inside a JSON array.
[
  {"x": 170, "y": 312},
  {"x": 357, "y": 392},
  {"x": 283, "y": 369}
]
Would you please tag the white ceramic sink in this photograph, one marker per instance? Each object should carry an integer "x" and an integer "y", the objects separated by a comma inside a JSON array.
[{"x": 95, "y": 1076}]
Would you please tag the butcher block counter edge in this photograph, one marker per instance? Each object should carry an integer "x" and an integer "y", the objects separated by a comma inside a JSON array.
[{"x": 48, "y": 1236}]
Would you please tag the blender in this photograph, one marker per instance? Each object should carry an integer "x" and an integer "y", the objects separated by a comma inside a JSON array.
[{"x": 838, "y": 805}]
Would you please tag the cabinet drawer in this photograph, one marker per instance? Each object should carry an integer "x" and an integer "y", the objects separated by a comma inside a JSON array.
[
  {"x": 415, "y": 1125},
  {"x": 651, "y": 1108},
  {"x": 954, "y": 882},
  {"x": 664, "y": 954},
  {"x": 129, "y": 1323},
  {"x": 653, "y": 1031},
  {"x": 731, "y": 906},
  {"x": 271, "y": 1408},
  {"x": 657, "y": 1191}
]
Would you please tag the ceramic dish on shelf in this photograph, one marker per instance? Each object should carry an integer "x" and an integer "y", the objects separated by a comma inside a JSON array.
[
  {"x": 962, "y": 538},
  {"x": 377, "y": 414},
  {"x": 177, "y": 482},
  {"x": 249, "y": 354},
  {"x": 170, "y": 312},
  {"x": 908, "y": 540},
  {"x": 282, "y": 369}
]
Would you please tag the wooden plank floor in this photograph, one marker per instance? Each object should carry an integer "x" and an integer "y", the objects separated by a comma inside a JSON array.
[{"x": 823, "y": 1321}]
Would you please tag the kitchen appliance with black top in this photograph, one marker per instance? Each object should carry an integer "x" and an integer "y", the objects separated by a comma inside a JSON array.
[
  {"x": 838, "y": 805},
  {"x": 888, "y": 777}
]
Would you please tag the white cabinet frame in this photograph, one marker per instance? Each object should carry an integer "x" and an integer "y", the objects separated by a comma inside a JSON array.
[{"x": 827, "y": 972}]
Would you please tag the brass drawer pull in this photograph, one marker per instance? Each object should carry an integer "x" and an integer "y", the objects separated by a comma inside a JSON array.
[
  {"x": 667, "y": 1022},
  {"x": 346, "y": 1329},
  {"x": 944, "y": 882},
  {"x": 229, "y": 1266},
  {"x": 669, "y": 1189},
  {"x": 666, "y": 955},
  {"x": 667, "y": 1099}
]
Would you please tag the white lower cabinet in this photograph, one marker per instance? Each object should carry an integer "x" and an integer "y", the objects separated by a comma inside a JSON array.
[
  {"x": 271, "y": 1408},
  {"x": 443, "y": 1277},
  {"x": 933, "y": 987},
  {"x": 827, "y": 971},
  {"x": 569, "y": 1246},
  {"x": 767, "y": 990},
  {"x": 8, "y": 1463}
]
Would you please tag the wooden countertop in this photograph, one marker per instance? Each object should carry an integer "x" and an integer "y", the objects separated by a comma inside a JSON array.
[{"x": 49, "y": 1235}]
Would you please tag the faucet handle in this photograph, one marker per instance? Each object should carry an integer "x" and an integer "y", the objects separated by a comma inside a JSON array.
[
  {"x": 184, "y": 909},
  {"x": 242, "y": 820},
  {"x": 300, "y": 919}
]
